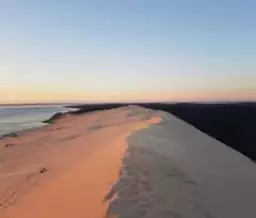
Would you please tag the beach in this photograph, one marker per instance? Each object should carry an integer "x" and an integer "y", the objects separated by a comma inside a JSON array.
[
  {"x": 70, "y": 164},
  {"x": 128, "y": 162},
  {"x": 17, "y": 118}
]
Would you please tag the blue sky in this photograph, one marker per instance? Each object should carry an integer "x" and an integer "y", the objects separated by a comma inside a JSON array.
[{"x": 127, "y": 50}]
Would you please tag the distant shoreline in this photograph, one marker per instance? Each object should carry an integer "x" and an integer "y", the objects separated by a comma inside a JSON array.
[
  {"x": 45, "y": 121},
  {"x": 231, "y": 123},
  {"x": 33, "y": 104},
  {"x": 72, "y": 104}
]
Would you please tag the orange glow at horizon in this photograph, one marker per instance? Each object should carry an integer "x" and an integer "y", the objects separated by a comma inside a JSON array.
[{"x": 26, "y": 95}]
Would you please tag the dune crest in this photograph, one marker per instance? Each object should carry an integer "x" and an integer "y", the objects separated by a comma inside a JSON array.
[
  {"x": 66, "y": 169},
  {"x": 129, "y": 162}
]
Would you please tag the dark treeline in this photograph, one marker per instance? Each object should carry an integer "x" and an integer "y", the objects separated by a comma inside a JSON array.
[{"x": 231, "y": 123}]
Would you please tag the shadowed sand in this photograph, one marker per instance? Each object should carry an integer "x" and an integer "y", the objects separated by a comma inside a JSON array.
[
  {"x": 66, "y": 169},
  {"x": 129, "y": 162}
]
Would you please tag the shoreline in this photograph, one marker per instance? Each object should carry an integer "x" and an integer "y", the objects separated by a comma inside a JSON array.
[
  {"x": 125, "y": 162},
  {"x": 43, "y": 165},
  {"x": 44, "y": 122}
]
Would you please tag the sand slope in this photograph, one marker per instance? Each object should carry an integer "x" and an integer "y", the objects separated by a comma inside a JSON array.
[
  {"x": 66, "y": 169},
  {"x": 174, "y": 170},
  {"x": 123, "y": 163}
]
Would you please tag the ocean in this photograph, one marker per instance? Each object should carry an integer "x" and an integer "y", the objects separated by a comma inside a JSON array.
[{"x": 17, "y": 118}]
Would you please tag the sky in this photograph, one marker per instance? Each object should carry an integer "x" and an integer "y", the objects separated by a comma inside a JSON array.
[{"x": 136, "y": 50}]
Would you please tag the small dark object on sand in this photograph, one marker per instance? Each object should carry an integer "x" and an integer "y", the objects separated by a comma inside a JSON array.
[
  {"x": 9, "y": 145},
  {"x": 43, "y": 170}
]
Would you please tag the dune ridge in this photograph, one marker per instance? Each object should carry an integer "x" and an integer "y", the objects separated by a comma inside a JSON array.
[
  {"x": 129, "y": 162},
  {"x": 66, "y": 169}
]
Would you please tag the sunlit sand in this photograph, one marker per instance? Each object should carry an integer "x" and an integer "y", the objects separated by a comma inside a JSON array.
[{"x": 127, "y": 162}]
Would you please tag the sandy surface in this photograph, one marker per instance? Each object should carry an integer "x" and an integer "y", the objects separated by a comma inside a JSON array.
[
  {"x": 174, "y": 170},
  {"x": 123, "y": 163},
  {"x": 66, "y": 169}
]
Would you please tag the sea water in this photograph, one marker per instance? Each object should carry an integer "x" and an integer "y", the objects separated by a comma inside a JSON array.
[{"x": 17, "y": 118}]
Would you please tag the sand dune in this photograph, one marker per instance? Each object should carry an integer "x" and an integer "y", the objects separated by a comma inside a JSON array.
[
  {"x": 128, "y": 162},
  {"x": 66, "y": 169}
]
